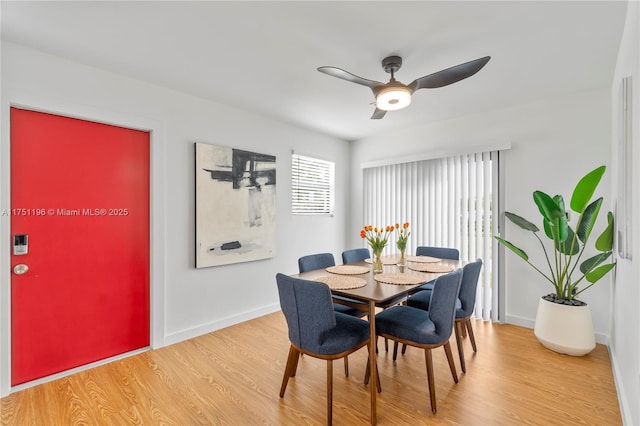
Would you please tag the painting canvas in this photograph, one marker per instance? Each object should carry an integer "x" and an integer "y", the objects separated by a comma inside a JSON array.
[{"x": 235, "y": 205}]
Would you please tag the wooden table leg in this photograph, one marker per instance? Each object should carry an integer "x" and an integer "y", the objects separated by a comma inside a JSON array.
[{"x": 372, "y": 360}]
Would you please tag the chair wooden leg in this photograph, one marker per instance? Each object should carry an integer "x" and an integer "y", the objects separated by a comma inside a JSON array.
[
  {"x": 290, "y": 369},
  {"x": 404, "y": 348},
  {"x": 467, "y": 322},
  {"x": 329, "y": 391},
  {"x": 367, "y": 376},
  {"x": 452, "y": 365},
  {"x": 430, "y": 380},
  {"x": 386, "y": 345},
  {"x": 457, "y": 326},
  {"x": 464, "y": 332},
  {"x": 395, "y": 350},
  {"x": 378, "y": 386},
  {"x": 346, "y": 366},
  {"x": 367, "y": 372},
  {"x": 295, "y": 364}
]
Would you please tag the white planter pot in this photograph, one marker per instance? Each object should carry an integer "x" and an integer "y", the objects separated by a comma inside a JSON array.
[{"x": 565, "y": 329}]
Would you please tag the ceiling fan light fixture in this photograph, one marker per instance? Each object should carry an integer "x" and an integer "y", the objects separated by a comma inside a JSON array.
[{"x": 393, "y": 98}]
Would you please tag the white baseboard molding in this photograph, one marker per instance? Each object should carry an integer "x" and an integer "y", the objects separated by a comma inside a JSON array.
[
  {"x": 520, "y": 321},
  {"x": 190, "y": 333},
  {"x": 601, "y": 338},
  {"x": 622, "y": 397}
]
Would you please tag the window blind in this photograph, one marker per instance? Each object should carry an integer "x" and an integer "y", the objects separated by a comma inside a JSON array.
[
  {"x": 448, "y": 202},
  {"x": 312, "y": 186}
]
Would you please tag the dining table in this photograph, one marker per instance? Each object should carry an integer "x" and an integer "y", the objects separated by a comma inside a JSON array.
[{"x": 355, "y": 285}]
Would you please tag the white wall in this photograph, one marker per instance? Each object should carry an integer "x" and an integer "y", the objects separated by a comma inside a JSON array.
[
  {"x": 554, "y": 143},
  {"x": 186, "y": 302},
  {"x": 625, "y": 315}
]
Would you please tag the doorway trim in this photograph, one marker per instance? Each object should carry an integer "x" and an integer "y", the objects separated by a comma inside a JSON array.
[{"x": 156, "y": 212}]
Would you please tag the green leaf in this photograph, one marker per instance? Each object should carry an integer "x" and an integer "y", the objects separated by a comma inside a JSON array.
[
  {"x": 599, "y": 272},
  {"x": 605, "y": 240},
  {"x": 567, "y": 246},
  {"x": 557, "y": 230},
  {"x": 588, "y": 219},
  {"x": 521, "y": 222},
  {"x": 547, "y": 206},
  {"x": 585, "y": 188},
  {"x": 513, "y": 248},
  {"x": 560, "y": 202},
  {"x": 563, "y": 228},
  {"x": 547, "y": 229},
  {"x": 594, "y": 261}
]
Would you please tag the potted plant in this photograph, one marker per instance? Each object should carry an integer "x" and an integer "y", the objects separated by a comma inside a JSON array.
[{"x": 563, "y": 322}]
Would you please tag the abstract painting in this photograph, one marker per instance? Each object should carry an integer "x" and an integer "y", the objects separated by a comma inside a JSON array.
[{"x": 235, "y": 205}]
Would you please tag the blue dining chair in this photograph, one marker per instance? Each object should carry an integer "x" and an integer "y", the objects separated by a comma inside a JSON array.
[
  {"x": 325, "y": 260},
  {"x": 426, "y": 329},
  {"x": 316, "y": 261},
  {"x": 468, "y": 291},
  {"x": 464, "y": 307},
  {"x": 315, "y": 329},
  {"x": 355, "y": 255},
  {"x": 437, "y": 252}
]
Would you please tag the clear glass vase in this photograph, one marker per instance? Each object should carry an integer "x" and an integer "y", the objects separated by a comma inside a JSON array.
[
  {"x": 401, "y": 261},
  {"x": 377, "y": 262}
]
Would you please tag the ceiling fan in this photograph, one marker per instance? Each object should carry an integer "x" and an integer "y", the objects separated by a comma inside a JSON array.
[{"x": 395, "y": 95}]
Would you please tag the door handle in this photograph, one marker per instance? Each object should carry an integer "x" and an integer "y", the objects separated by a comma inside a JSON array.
[{"x": 20, "y": 269}]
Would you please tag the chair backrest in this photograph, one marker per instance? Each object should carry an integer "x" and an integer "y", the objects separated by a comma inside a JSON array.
[
  {"x": 308, "y": 309},
  {"x": 442, "y": 308},
  {"x": 439, "y": 252},
  {"x": 355, "y": 255},
  {"x": 316, "y": 261},
  {"x": 470, "y": 275}
]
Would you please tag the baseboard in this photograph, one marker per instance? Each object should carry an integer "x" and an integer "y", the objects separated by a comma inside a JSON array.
[
  {"x": 622, "y": 397},
  {"x": 601, "y": 338},
  {"x": 520, "y": 321},
  {"x": 190, "y": 333}
]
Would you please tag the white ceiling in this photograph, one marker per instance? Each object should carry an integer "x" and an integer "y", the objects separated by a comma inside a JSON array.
[{"x": 262, "y": 56}]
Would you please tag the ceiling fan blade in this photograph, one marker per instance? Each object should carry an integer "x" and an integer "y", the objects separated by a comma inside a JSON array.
[
  {"x": 345, "y": 75},
  {"x": 449, "y": 75},
  {"x": 378, "y": 114}
]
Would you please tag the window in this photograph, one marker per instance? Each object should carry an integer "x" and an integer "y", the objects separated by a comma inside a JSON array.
[
  {"x": 312, "y": 186},
  {"x": 449, "y": 203}
]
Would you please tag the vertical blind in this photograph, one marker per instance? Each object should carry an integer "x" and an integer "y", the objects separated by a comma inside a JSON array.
[
  {"x": 312, "y": 185},
  {"x": 448, "y": 202}
]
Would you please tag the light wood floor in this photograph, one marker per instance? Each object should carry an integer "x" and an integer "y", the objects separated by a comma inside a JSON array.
[{"x": 232, "y": 377}]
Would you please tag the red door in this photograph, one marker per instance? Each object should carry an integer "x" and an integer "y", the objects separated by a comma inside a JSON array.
[{"x": 80, "y": 195}]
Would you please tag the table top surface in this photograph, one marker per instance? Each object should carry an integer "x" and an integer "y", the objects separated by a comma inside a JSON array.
[{"x": 375, "y": 291}]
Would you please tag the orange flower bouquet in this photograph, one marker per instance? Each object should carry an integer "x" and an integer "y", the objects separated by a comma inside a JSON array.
[
  {"x": 377, "y": 239},
  {"x": 401, "y": 242}
]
